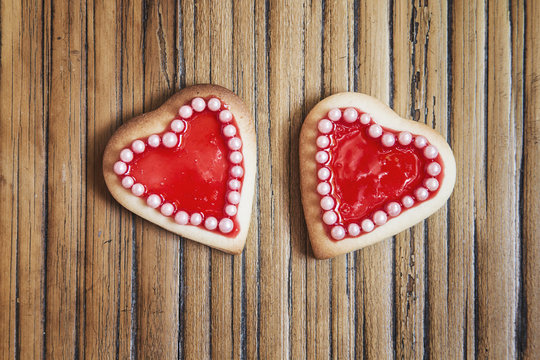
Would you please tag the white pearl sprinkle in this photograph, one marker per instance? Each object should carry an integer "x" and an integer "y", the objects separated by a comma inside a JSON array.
[
  {"x": 380, "y": 217},
  {"x": 211, "y": 223},
  {"x": 334, "y": 114},
  {"x": 432, "y": 184},
  {"x": 195, "y": 219},
  {"x": 350, "y": 115},
  {"x": 185, "y": 111},
  {"x": 231, "y": 210},
  {"x": 338, "y": 232},
  {"x": 233, "y": 197},
  {"x": 236, "y": 157},
  {"x": 154, "y": 140},
  {"x": 178, "y": 125},
  {"x": 181, "y": 218},
  {"x": 237, "y": 171},
  {"x": 431, "y": 152},
  {"x": 325, "y": 126},
  {"x": 321, "y": 157},
  {"x": 323, "y": 188},
  {"x": 407, "y": 201},
  {"x": 420, "y": 142},
  {"x": 126, "y": 155},
  {"x": 225, "y": 116},
  {"x": 229, "y": 130},
  {"x": 214, "y": 104},
  {"x": 167, "y": 209},
  {"x": 138, "y": 146},
  {"x": 393, "y": 209},
  {"x": 353, "y": 229},
  {"x": 329, "y": 217},
  {"x": 120, "y": 168},
  {"x": 153, "y": 201},
  {"x": 365, "y": 118},
  {"x": 234, "y": 184},
  {"x": 198, "y": 104},
  {"x": 323, "y": 141},
  {"x": 127, "y": 182},
  {"x": 226, "y": 225},
  {"x": 434, "y": 169},
  {"x": 327, "y": 203},
  {"x": 170, "y": 139},
  {"x": 235, "y": 143},
  {"x": 137, "y": 189},
  {"x": 375, "y": 131},
  {"x": 323, "y": 173},
  {"x": 388, "y": 140},
  {"x": 404, "y": 138},
  {"x": 421, "y": 193},
  {"x": 367, "y": 225}
]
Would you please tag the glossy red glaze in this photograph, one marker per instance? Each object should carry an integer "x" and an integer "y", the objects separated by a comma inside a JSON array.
[
  {"x": 367, "y": 175},
  {"x": 193, "y": 175}
]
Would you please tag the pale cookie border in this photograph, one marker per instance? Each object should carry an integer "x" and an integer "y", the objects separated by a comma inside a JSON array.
[
  {"x": 156, "y": 122},
  {"x": 323, "y": 245}
]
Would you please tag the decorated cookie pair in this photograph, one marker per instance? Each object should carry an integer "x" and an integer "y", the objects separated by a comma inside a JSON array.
[{"x": 366, "y": 173}]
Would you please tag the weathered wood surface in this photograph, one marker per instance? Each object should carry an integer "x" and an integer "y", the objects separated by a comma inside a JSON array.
[{"x": 80, "y": 277}]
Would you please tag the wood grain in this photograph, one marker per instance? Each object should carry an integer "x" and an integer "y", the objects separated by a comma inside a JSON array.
[
  {"x": 223, "y": 284},
  {"x": 318, "y": 303},
  {"x": 84, "y": 278},
  {"x": 109, "y": 246},
  {"x": 158, "y": 252},
  {"x": 66, "y": 169},
  {"x": 412, "y": 30},
  {"x": 530, "y": 308},
  {"x": 497, "y": 252},
  {"x": 467, "y": 210},
  {"x": 338, "y": 39},
  {"x": 374, "y": 265},
  {"x": 22, "y": 180},
  {"x": 197, "y": 315}
]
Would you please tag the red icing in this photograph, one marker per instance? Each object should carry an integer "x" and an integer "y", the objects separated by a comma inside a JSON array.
[
  {"x": 193, "y": 175},
  {"x": 367, "y": 175}
]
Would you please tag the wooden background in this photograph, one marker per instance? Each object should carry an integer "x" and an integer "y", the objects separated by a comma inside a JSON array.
[{"x": 80, "y": 277}]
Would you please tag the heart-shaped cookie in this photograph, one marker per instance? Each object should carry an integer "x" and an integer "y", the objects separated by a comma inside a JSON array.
[
  {"x": 188, "y": 166},
  {"x": 367, "y": 174}
]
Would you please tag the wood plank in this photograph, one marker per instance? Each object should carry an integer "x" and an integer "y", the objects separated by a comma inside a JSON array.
[
  {"x": 336, "y": 66},
  {"x": 66, "y": 182},
  {"x": 300, "y": 264},
  {"x": 158, "y": 251},
  {"x": 420, "y": 55},
  {"x": 531, "y": 185},
  {"x": 285, "y": 89},
  {"x": 245, "y": 291},
  {"x": 436, "y": 102},
  {"x": 318, "y": 302},
  {"x": 517, "y": 33},
  {"x": 221, "y": 275},
  {"x": 374, "y": 263},
  {"x": 467, "y": 207},
  {"x": 22, "y": 179},
  {"x": 497, "y": 253},
  {"x": 411, "y": 32},
  {"x": 10, "y": 42},
  {"x": 132, "y": 104},
  {"x": 262, "y": 119},
  {"x": 31, "y": 199},
  {"x": 109, "y": 241},
  {"x": 196, "y": 280}
]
